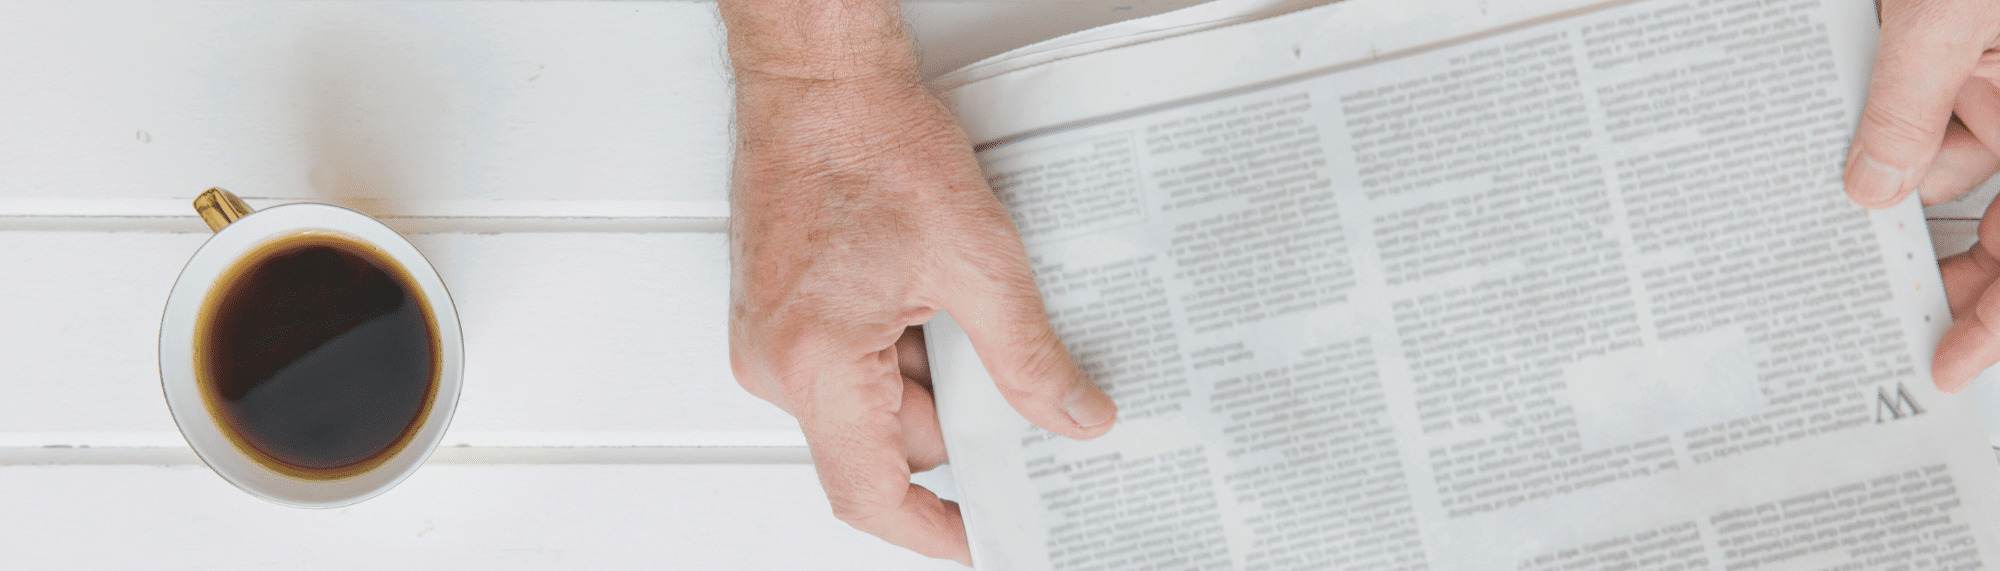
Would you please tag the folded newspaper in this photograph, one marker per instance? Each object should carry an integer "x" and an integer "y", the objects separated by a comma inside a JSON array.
[{"x": 1467, "y": 284}]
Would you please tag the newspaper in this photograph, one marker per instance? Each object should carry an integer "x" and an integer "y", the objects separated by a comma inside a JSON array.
[
  {"x": 1207, "y": 15},
  {"x": 1540, "y": 285}
]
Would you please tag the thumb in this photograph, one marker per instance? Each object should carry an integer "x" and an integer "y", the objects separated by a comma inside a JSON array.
[
  {"x": 997, "y": 304},
  {"x": 1926, "y": 55}
]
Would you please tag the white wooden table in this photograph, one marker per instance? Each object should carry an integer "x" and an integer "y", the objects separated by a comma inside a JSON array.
[{"x": 563, "y": 164}]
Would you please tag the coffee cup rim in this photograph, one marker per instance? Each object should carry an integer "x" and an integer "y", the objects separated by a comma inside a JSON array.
[{"x": 199, "y": 426}]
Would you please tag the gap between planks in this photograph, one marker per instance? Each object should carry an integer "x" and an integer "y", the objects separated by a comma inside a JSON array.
[
  {"x": 448, "y": 455},
  {"x": 175, "y": 215},
  {"x": 405, "y": 225}
]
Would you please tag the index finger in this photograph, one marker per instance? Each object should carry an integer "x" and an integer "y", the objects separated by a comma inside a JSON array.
[
  {"x": 1928, "y": 50},
  {"x": 851, "y": 425}
]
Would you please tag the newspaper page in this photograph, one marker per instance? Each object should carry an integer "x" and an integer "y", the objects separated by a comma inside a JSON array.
[
  {"x": 1578, "y": 292},
  {"x": 1207, "y": 15}
]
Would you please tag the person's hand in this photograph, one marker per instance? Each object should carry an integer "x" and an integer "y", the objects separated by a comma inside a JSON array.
[
  {"x": 851, "y": 219},
  {"x": 1939, "y": 58},
  {"x": 858, "y": 210}
]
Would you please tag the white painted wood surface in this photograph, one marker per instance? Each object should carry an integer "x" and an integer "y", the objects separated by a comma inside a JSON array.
[{"x": 563, "y": 164}]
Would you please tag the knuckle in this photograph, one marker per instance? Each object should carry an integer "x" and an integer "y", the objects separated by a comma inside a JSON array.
[
  {"x": 748, "y": 366},
  {"x": 756, "y": 364},
  {"x": 1902, "y": 127},
  {"x": 1987, "y": 309},
  {"x": 1042, "y": 359},
  {"x": 746, "y": 375},
  {"x": 859, "y": 504},
  {"x": 859, "y": 514}
]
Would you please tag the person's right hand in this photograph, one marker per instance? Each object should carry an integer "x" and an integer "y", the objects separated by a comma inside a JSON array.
[
  {"x": 858, "y": 210},
  {"x": 1932, "y": 126}
]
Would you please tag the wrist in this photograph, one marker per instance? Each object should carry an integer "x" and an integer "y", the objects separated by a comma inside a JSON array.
[
  {"x": 791, "y": 41},
  {"x": 822, "y": 122}
]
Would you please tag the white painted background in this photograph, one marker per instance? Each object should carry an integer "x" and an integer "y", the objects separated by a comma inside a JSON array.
[{"x": 563, "y": 164}]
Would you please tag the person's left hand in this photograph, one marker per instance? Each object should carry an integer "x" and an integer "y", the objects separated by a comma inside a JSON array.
[{"x": 1932, "y": 126}]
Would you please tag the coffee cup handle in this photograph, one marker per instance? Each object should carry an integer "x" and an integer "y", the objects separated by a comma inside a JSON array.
[{"x": 218, "y": 208}]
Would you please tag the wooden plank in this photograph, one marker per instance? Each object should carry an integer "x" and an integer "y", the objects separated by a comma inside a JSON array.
[
  {"x": 177, "y": 206},
  {"x": 444, "y": 517},
  {"x": 333, "y": 100},
  {"x": 572, "y": 339},
  {"x": 441, "y": 100}
]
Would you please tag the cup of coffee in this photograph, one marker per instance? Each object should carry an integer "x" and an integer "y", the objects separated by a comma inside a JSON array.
[{"x": 309, "y": 354}]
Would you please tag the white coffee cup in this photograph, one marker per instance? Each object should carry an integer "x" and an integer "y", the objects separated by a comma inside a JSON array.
[{"x": 239, "y": 234}]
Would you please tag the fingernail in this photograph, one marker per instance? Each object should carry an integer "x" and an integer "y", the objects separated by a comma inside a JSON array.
[
  {"x": 1088, "y": 405},
  {"x": 1871, "y": 182}
]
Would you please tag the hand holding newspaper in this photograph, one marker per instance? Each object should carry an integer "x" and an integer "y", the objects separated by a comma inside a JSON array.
[{"x": 1540, "y": 286}]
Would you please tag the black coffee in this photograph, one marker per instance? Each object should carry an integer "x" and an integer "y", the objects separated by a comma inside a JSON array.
[{"x": 318, "y": 355}]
